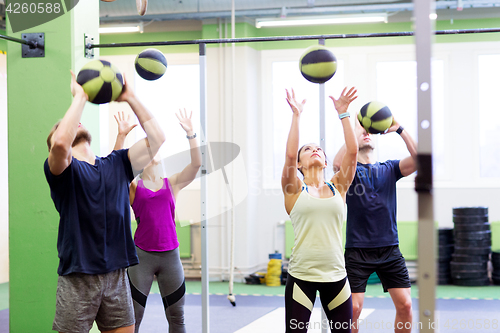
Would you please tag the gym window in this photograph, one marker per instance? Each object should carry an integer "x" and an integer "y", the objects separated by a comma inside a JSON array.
[
  {"x": 179, "y": 88},
  {"x": 489, "y": 115},
  {"x": 286, "y": 75},
  {"x": 396, "y": 84}
]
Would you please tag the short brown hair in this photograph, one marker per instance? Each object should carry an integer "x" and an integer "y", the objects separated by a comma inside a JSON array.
[{"x": 49, "y": 138}]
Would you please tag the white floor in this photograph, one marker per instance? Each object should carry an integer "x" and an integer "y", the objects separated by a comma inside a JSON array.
[{"x": 273, "y": 322}]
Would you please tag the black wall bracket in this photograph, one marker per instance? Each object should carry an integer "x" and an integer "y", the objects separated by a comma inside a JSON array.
[{"x": 35, "y": 47}]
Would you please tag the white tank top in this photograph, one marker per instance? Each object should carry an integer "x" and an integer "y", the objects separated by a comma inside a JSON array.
[{"x": 317, "y": 254}]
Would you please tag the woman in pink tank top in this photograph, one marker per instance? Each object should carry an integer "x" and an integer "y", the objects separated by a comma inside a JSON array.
[{"x": 153, "y": 201}]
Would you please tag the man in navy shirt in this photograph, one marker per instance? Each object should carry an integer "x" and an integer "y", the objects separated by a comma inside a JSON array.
[
  {"x": 91, "y": 195},
  {"x": 372, "y": 243}
]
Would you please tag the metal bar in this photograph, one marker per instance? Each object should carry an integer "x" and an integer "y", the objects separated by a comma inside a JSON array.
[
  {"x": 322, "y": 143},
  {"x": 205, "y": 322},
  {"x": 231, "y": 297},
  {"x": 289, "y": 38},
  {"x": 423, "y": 182},
  {"x": 322, "y": 117},
  {"x": 16, "y": 40}
]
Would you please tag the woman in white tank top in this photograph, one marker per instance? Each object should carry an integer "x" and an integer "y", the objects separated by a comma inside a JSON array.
[{"x": 316, "y": 208}]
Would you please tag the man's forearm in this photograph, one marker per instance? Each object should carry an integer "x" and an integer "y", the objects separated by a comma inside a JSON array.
[
  {"x": 149, "y": 124},
  {"x": 120, "y": 141},
  {"x": 66, "y": 132},
  {"x": 411, "y": 145}
]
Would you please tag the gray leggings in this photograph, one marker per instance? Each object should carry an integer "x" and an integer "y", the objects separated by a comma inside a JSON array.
[{"x": 168, "y": 269}]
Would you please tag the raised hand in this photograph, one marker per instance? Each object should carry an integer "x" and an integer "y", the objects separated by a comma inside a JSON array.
[
  {"x": 344, "y": 100},
  {"x": 296, "y": 106},
  {"x": 76, "y": 88},
  {"x": 394, "y": 126},
  {"x": 127, "y": 92},
  {"x": 185, "y": 121},
  {"x": 124, "y": 126}
]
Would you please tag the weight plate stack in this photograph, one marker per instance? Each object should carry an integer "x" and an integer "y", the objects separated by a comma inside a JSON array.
[
  {"x": 472, "y": 235},
  {"x": 471, "y": 282},
  {"x": 495, "y": 261},
  {"x": 446, "y": 247},
  {"x": 458, "y": 258},
  {"x": 470, "y": 211}
]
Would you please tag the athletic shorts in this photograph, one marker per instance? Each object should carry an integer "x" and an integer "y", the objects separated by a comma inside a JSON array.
[
  {"x": 83, "y": 298},
  {"x": 387, "y": 261}
]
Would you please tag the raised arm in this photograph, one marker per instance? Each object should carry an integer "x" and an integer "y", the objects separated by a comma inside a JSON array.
[
  {"x": 64, "y": 135},
  {"x": 337, "y": 160},
  {"x": 143, "y": 151},
  {"x": 186, "y": 176},
  {"x": 132, "y": 189},
  {"x": 344, "y": 177},
  {"x": 407, "y": 165},
  {"x": 124, "y": 128},
  {"x": 290, "y": 183}
]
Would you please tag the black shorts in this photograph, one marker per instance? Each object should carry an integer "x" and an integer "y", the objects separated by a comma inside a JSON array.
[{"x": 387, "y": 261}]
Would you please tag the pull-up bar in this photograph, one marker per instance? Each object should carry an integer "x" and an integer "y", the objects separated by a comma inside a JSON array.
[
  {"x": 17, "y": 40},
  {"x": 90, "y": 46},
  {"x": 33, "y": 44}
]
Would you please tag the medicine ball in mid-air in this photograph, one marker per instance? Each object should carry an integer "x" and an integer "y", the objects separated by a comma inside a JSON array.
[
  {"x": 318, "y": 64},
  {"x": 375, "y": 117},
  {"x": 150, "y": 64},
  {"x": 101, "y": 81}
]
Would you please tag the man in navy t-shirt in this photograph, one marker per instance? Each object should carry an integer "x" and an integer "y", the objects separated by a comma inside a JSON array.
[
  {"x": 91, "y": 195},
  {"x": 372, "y": 243}
]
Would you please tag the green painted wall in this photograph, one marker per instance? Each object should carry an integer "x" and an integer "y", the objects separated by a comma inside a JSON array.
[
  {"x": 39, "y": 94},
  {"x": 3, "y": 43},
  {"x": 211, "y": 31}
]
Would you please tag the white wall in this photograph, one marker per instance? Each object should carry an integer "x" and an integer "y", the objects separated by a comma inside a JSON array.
[
  {"x": 241, "y": 114},
  {"x": 4, "y": 189}
]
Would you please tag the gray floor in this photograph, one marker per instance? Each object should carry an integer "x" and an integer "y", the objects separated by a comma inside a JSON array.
[
  {"x": 223, "y": 316},
  {"x": 453, "y": 316},
  {"x": 4, "y": 321}
]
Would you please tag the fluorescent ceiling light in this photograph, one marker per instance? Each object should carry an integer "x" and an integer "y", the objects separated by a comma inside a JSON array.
[
  {"x": 315, "y": 20},
  {"x": 113, "y": 29}
]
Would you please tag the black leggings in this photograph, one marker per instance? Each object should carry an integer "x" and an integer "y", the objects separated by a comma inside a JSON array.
[{"x": 335, "y": 298}]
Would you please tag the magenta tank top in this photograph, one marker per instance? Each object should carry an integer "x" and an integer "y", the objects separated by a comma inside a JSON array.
[{"x": 155, "y": 215}]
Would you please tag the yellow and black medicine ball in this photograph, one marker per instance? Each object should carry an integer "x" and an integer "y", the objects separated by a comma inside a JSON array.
[
  {"x": 150, "y": 64},
  {"x": 318, "y": 64},
  {"x": 375, "y": 117},
  {"x": 101, "y": 81}
]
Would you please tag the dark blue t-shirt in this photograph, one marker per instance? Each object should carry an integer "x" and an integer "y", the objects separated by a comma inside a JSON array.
[
  {"x": 93, "y": 203},
  {"x": 371, "y": 206}
]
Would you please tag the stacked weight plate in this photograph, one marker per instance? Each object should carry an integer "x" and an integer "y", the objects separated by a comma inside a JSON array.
[
  {"x": 495, "y": 260},
  {"x": 469, "y": 264},
  {"x": 446, "y": 246}
]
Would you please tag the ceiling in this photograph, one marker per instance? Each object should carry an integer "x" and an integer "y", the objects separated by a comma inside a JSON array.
[
  {"x": 168, "y": 10},
  {"x": 247, "y": 10}
]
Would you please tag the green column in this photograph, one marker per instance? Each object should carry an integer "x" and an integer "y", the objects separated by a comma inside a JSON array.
[{"x": 39, "y": 95}]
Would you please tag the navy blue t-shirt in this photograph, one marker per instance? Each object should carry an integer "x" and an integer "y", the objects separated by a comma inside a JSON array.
[
  {"x": 371, "y": 206},
  {"x": 93, "y": 203}
]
